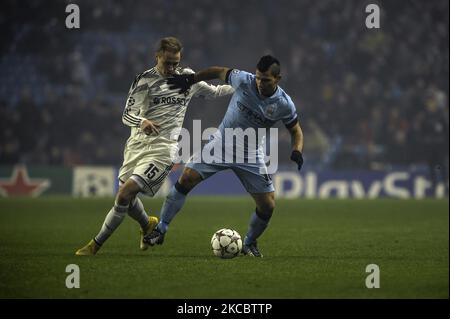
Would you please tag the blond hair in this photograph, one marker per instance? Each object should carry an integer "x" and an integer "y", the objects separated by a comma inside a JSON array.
[{"x": 170, "y": 44}]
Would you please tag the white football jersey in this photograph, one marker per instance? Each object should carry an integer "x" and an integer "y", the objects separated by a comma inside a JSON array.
[{"x": 150, "y": 98}]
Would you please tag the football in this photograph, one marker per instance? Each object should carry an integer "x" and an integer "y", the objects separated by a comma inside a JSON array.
[{"x": 226, "y": 243}]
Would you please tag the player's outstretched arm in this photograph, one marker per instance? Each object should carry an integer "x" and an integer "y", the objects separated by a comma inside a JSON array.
[
  {"x": 297, "y": 144},
  {"x": 185, "y": 81},
  {"x": 211, "y": 73},
  {"x": 209, "y": 91}
]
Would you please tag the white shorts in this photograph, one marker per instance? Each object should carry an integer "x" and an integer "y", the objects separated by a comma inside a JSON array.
[{"x": 146, "y": 164}]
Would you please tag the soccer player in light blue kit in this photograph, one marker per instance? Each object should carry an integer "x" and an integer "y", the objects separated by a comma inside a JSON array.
[{"x": 258, "y": 102}]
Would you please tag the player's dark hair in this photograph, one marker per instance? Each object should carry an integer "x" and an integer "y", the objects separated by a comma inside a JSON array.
[
  {"x": 267, "y": 62},
  {"x": 170, "y": 44}
]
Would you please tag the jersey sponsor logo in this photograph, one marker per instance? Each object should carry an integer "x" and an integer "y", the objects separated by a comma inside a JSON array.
[
  {"x": 253, "y": 116},
  {"x": 169, "y": 100}
]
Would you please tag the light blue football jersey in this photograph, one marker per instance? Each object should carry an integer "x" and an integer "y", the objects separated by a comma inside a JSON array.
[{"x": 248, "y": 109}]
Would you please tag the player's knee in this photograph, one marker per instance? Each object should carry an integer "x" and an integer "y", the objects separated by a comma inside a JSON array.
[
  {"x": 125, "y": 196},
  {"x": 189, "y": 179},
  {"x": 265, "y": 210}
]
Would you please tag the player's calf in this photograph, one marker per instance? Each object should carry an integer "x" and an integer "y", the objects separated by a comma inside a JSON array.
[{"x": 189, "y": 179}]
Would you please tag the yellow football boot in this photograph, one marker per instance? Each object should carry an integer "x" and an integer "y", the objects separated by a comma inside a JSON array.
[
  {"x": 89, "y": 250},
  {"x": 152, "y": 222}
]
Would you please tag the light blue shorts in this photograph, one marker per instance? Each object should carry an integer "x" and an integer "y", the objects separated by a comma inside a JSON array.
[{"x": 249, "y": 175}]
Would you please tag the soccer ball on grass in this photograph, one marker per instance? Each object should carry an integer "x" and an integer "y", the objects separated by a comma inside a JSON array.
[{"x": 226, "y": 243}]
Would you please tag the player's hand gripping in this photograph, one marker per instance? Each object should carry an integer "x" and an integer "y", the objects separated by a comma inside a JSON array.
[
  {"x": 181, "y": 81},
  {"x": 148, "y": 127},
  {"x": 297, "y": 157}
]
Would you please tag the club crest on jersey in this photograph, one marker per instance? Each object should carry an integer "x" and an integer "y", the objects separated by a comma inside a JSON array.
[{"x": 270, "y": 109}]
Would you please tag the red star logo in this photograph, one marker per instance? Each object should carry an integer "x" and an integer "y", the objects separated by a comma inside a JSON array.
[{"x": 20, "y": 184}]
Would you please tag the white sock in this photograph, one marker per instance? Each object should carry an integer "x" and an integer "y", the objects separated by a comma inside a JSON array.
[
  {"x": 138, "y": 213},
  {"x": 113, "y": 219}
]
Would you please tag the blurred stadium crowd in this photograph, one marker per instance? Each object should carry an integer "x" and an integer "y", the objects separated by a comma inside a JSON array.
[{"x": 367, "y": 98}]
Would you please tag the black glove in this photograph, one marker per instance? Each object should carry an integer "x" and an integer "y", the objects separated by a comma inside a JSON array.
[
  {"x": 181, "y": 81},
  {"x": 297, "y": 157}
]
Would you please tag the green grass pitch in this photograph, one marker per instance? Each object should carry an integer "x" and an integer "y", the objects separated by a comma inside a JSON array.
[{"x": 312, "y": 248}]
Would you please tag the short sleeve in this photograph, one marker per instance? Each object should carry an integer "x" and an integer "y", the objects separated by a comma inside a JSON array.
[
  {"x": 236, "y": 77},
  {"x": 290, "y": 117}
]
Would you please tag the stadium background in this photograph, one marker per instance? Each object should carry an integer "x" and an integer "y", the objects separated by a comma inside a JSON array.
[
  {"x": 373, "y": 104},
  {"x": 364, "y": 96}
]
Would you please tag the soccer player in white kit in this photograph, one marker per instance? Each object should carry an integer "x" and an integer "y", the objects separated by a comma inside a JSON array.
[{"x": 154, "y": 112}]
